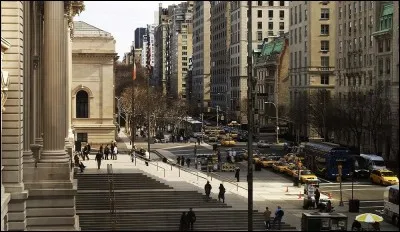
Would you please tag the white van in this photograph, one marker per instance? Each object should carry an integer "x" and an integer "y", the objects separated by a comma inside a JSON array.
[{"x": 374, "y": 161}]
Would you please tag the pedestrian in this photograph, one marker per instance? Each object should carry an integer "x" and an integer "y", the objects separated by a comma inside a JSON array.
[
  {"x": 106, "y": 152},
  {"x": 85, "y": 152},
  {"x": 237, "y": 173},
  {"x": 207, "y": 189},
  {"x": 181, "y": 139},
  {"x": 317, "y": 196},
  {"x": 98, "y": 159},
  {"x": 278, "y": 217},
  {"x": 115, "y": 151},
  {"x": 101, "y": 151},
  {"x": 81, "y": 166},
  {"x": 221, "y": 194},
  {"x": 267, "y": 218},
  {"x": 191, "y": 218},
  {"x": 376, "y": 226},
  {"x": 76, "y": 160},
  {"x": 198, "y": 140},
  {"x": 178, "y": 159},
  {"x": 188, "y": 162},
  {"x": 182, "y": 161},
  {"x": 195, "y": 149},
  {"x": 89, "y": 148},
  {"x": 183, "y": 224},
  {"x": 112, "y": 150},
  {"x": 356, "y": 226}
]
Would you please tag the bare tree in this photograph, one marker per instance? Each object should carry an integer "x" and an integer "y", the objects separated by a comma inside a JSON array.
[{"x": 298, "y": 112}]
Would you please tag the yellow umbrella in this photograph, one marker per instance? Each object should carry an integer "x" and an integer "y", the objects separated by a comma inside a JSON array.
[{"x": 369, "y": 218}]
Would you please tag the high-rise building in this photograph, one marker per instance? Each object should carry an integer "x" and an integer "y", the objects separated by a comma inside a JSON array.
[
  {"x": 139, "y": 33},
  {"x": 201, "y": 55},
  {"x": 312, "y": 46},
  {"x": 219, "y": 54},
  {"x": 148, "y": 38},
  {"x": 269, "y": 20},
  {"x": 180, "y": 48}
]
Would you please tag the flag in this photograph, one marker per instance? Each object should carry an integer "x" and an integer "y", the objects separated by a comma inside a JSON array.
[{"x": 134, "y": 71}]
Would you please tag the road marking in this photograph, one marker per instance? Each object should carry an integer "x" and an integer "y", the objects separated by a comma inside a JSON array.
[
  {"x": 370, "y": 207},
  {"x": 325, "y": 181}
]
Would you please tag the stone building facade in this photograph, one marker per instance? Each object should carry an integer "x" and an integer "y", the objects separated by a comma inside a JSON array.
[
  {"x": 92, "y": 94},
  {"x": 36, "y": 146}
]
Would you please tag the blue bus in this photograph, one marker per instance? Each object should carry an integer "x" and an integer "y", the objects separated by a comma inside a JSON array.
[{"x": 323, "y": 159}]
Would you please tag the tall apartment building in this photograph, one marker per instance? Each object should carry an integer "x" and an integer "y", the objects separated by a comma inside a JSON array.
[
  {"x": 269, "y": 20},
  {"x": 201, "y": 55},
  {"x": 219, "y": 54},
  {"x": 148, "y": 38},
  {"x": 312, "y": 42},
  {"x": 180, "y": 48},
  {"x": 139, "y": 33},
  {"x": 161, "y": 40},
  {"x": 395, "y": 84}
]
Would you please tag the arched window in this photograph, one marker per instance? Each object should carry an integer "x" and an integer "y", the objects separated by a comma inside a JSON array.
[{"x": 82, "y": 104}]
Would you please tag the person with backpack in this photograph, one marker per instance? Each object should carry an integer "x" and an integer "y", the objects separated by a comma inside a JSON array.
[
  {"x": 112, "y": 150},
  {"x": 98, "y": 159},
  {"x": 278, "y": 217},
  {"x": 106, "y": 152},
  {"x": 221, "y": 194},
  {"x": 191, "y": 216},
  {"x": 207, "y": 189}
]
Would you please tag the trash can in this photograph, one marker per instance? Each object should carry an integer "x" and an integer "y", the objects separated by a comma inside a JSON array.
[{"x": 354, "y": 205}]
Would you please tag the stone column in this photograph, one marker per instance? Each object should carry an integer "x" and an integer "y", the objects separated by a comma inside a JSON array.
[
  {"x": 39, "y": 79},
  {"x": 54, "y": 91}
]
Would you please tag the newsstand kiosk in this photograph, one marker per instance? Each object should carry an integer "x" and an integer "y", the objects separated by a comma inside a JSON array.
[{"x": 317, "y": 221}]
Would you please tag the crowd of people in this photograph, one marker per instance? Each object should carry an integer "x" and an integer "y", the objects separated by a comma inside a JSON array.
[{"x": 102, "y": 154}]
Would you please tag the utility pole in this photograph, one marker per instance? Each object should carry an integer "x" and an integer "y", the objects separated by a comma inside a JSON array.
[
  {"x": 250, "y": 118},
  {"x": 149, "y": 68},
  {"x": 202, "y": 127},
  {"x": 133, "y": 127}
]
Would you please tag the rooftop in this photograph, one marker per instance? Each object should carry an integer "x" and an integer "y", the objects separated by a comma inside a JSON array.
[{"x": 83, "y": 29}]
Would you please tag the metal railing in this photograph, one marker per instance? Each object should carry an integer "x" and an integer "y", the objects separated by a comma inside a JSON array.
[
  {"x": 147, "y": 162},
  {"x": 196, "y": 173},
  {"x": 111, "y": 196}
]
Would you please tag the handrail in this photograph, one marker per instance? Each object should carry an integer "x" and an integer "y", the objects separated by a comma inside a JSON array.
[
  {"x": 190, "y": 171},
  {"x": 147, "y": 160},
  {"x": 110, "y": 177}
]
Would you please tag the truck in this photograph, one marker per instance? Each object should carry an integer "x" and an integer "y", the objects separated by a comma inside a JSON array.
[{"x": 391, "y": 204}]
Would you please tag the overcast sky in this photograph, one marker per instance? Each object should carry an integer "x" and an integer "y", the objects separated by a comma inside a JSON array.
[{"x": 121, "y": 18}]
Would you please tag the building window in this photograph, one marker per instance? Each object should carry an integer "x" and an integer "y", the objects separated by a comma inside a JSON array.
[
  {"x": 341, "y": 46},
  {"x": 305, "y": 15},
  {"x": 325, "y": 13},
  {"x": 281, "y": 14},
  {"x": 270, "y": 25},
  {"x": 324, "y": 79},
  {"x": 259, "y": 13},
  {"x": 259, "y": 36},
  {"x": 324, "y": 29},
  {"x": 340, "y": 12},
  {"x": 325, "y": 61},
  {"x": 380, "y": 46},
  {"x": 259, "y": 3},
  {"x": 305, "y": 46},
  {"x": 380, "y": 66},
  {"x": 270, "y": 14},
  {"x": 325, "y": 45},
  {"x": 281, "y": 25},
  {"x": 259, "y": 25},
  {"x": 388, "y": 45},
  {"x": 388, "y": 66},
  {"x": 270, "y": 3},
  {"x": 305, "y": 31},
  {"x": 82, "y": 104},
  {"x": 81, "y": 137},
  {"x": 281, "y": 3}
]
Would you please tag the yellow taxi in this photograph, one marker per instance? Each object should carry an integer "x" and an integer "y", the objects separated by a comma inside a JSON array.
[
  {"x": 279, "y": 166},
  {"x": 257, "y": 158},
  {"x": 306, "y": 176},
  {"x": 290, "y": 169},
  {"x": 228, "y": 142},
  {"x": 267, "y": 162},
  {"x": 383, "y": 177}
]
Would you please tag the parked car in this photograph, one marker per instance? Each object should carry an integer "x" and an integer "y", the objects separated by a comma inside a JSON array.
[
  {"x": 263, "y": 144},
  {"x": 383, "y": 177},
  {"x": 279, "y": 166},
  {"x": 268, "y": 161},
  {"x": 306, "y": 176},
  {"x": 228, "y": 142}
]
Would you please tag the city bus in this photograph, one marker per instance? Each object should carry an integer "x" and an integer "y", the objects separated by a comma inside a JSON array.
[
  {"x": 191, "y": 126},
  {"x": 323, "y": 159},
  {"x": 391, "y": 204}
]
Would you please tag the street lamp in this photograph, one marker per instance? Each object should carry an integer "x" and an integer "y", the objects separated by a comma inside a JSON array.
[
  {"x": 119, "y": 111},
  {"x": 277, "y": 119}
]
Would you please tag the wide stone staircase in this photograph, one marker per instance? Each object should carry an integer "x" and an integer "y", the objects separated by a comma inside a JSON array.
[{"x": 143, "y": 203}]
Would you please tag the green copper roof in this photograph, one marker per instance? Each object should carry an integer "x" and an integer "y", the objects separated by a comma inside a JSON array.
[
  {"x": 387, "y": 9},
  {"x": 275, "y": 46}
]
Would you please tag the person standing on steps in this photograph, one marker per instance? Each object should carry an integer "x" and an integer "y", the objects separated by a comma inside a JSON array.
[
  {"x": 188, "y": 162},
  {"x": 178, "y": 159},
  {"x": 317, "y": 196},
  {"x": 182, "y": 161},
  {"x": 98, "y": 159},
  {"x": 112, "y": 150},
  {"x": 267, "y": 218},
  {"x": 101, "y": 151},
  {"x": 115, "y": 152},
  {"x": 191, "y": 218},
  {"x": 89, "y": 149},
  {"x": 86, "y": 152},
  {"x": 237, "y": 173},
  {"x": 221, "y": 194},
  {"x": 207, "y": 189},
  {"x": 278, "y": 217},
  {"x": 183, "y": 224},
  {"x": 106, "y": 152},
  {"x": 198, "y": 140}
]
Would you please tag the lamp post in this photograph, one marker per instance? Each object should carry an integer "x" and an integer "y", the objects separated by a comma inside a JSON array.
[
  {"x": 340, "y": 167},
  {"x": 277, "y": 119},
  {"x": 119, "y": 111}
]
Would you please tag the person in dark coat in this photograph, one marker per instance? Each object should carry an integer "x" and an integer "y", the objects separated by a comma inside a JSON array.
[
  {"x": 89, "y": 148},
  {"x": 317, "y": 196},
  {"x": 191, "y": 218},
  {"x": 237, "y": 173},
  {"x": 207, "y": 189},
  {"x": 112, "y": 150},
  {"x": 183, "y": 224},
  {"x": 356, "y": 226},
  {"x": 101, "y": 151},
  {"x": 106, "y": 152},
  {"x": 178, "y": 160},
  {"x": 221, "y": 194},
  {"x": 85, "y": 152},
  {"x": 188, "y": 162},
  {"x": 98, "y": 159},
  {"x": 182, "y": 161}
]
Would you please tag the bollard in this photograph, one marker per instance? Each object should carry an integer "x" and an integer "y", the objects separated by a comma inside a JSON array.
[
  {"x": 179, "y": 171},
  {"x": 197, "y": 175}
]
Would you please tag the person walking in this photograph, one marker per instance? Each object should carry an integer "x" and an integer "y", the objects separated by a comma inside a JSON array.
[
  {"x": 221, "y": 194},
  {"x": 182, "y": 161},
  {"x": 98, "y": 159},
  {"x": 188, "y": 162},
  {"x": 207, "y": 189},
  {"x": 278, "y": 217},
  {"x": 178, "y": 159},
  {"x": 267, "y": 218},
  {"x": 89, "y": 149},
  {"x": 183, "y": 224},
  {"x": 101, "y": 151},
  {"x": 195, "y": 149},
  {"x": 112, "y": 150},
  {"x": 115, "y": 151},
  {"x": 191, "y": 218},
  {"x": 85, "y": 153},
  {"x": 317, "y": 196},
  {"x": 198, "y": 140},
  {"x": 237, "y": 173},
  {"x": 106, "y": 152}
]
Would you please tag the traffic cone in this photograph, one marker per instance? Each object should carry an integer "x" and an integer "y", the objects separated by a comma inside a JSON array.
[
  {"x": 299, "y": 195},
  {"x": 287, "y": 188}
]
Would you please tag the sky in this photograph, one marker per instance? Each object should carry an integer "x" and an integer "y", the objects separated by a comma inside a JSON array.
[{"x": 121, "y": 18}]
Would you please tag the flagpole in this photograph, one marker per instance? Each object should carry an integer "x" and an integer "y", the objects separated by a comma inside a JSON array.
[{"x": 133, "y": 127}]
